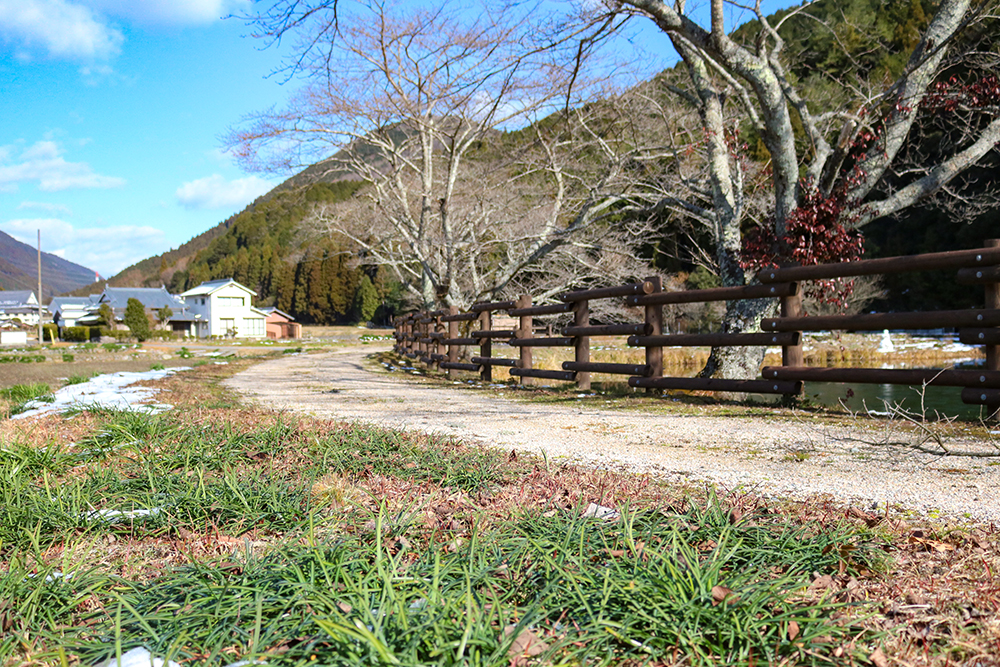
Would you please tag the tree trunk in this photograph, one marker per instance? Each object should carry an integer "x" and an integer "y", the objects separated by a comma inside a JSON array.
[{"x": 740, "y": 363}]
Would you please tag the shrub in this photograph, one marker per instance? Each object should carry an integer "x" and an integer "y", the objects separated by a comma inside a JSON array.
[
  {"x": 67, "y": 357},
  {"x": 50, "y": 332},
  {"x": 76, "y": 334}
]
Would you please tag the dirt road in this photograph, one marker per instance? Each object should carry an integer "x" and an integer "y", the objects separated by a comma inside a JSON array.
[{"x": 771, "y": 457}]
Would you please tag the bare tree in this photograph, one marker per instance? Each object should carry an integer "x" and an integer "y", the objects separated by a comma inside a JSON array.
[
  {"x": 853, "y": 165},
  {"x": 538, "y": 211},
  {"x": 415, "y": 101}
]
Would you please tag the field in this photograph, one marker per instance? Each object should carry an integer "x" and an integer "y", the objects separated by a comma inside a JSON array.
[{"x": 216, "y": 533}]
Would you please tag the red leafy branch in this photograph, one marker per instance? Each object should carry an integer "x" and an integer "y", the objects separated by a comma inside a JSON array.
[
  {"x": 954, "y": 94},
  {"x": 814, "y": 234}
]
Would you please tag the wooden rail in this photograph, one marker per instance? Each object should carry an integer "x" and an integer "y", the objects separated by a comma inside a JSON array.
[{"x": 437, "y": 337}]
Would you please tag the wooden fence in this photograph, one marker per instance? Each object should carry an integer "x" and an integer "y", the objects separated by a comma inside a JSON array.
[{"x": 434, "y": 337}]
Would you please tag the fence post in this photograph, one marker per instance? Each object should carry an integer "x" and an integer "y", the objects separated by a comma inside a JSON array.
[
  {"x": 452, "y": 349},
  {"x": 421, "y": 333},
  {"x": 525, "y": 330},
  {"x": 992, "y": 301},
  {"x": 439, "y": 329},
  {"x": 791, "y": 306},
  {"x": 486, "y": 345},
  {"x": 581, "y": 318},
  {"x": 414, "y": 332},
  {"x": 654, "y": 318}
]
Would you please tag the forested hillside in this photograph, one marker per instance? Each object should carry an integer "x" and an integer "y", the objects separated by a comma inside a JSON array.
[{"x": 265, "y": 249}]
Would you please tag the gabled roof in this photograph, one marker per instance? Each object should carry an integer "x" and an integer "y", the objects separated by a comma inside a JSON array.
[
  {"x": 210, "y": 286},
  {"x": 153, "y": 298},
  {"x": 14, "y": 298},
  {"x": 271, "y": 310},
  {"x": 183, "y": 315},
  {"x": 58, "y": 302}
]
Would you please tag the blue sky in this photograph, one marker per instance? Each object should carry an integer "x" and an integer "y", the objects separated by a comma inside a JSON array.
[
  {"x": 112, "y": 112},
  {"x": 112, "y": 115}
]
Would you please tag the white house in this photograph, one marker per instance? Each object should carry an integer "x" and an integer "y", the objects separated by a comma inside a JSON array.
[
  {"x": 20, "y": 305},
  {"x": 66, "y": 310},
  {"x": 222, "y": 308}
]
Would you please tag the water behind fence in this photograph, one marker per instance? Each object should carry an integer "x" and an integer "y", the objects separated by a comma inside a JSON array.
[{"x": 435, "y": 337}]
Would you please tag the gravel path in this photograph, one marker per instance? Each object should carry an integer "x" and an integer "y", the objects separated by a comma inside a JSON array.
[{"x": 758, "y": 454}]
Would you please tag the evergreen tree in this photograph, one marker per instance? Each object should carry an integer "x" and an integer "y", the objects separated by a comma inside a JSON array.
[
  {"x": 107, "y": 315},
  {"x": 136, "y": 320},
  {"x": 285, "y": 278},
  {"x": 366, "y": 300},
  {"x": 316, "y": 291}
]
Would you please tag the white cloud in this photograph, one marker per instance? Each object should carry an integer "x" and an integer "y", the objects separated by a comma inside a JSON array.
[
  {"x": 169, "y": 12},
  {"x": 107, "y": 250},
  {"x": 63, "y": 29},
  {"x": 44, "y": 206},
  {"x": 215, "y": 192},
  {"x": 43, "y": 162}
]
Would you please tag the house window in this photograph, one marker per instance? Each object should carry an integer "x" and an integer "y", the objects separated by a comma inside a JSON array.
[
  {"x": 227, "y": 326},
  {"x": 231, "y": 301},
  {"x": 253, "y": 327},
  {"x": 203, "y": 302}
]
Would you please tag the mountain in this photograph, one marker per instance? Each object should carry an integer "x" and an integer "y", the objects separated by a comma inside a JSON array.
[{"x": 19, "y": 270}]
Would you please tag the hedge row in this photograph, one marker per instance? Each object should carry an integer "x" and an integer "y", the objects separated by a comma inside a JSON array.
[{"x": 24, "y": 359}]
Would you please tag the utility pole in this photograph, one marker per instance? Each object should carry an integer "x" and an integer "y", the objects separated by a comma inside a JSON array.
[{"x": 40, "y": 339}]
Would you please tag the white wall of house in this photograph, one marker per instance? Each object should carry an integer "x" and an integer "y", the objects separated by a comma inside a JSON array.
[
  {"x": 28, "y": 316},
  {"x": 68, "y": 314},
  {"x": 225, "y": 309}
]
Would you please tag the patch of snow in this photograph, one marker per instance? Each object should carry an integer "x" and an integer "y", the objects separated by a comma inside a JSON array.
[
  {"x": 55, "y": 576},
  {"x": 138, "y": 657},
  {"x": 114, "y": 516},
  {"x": 113, "y": 390},
  {"x": 601, "y": 512}
]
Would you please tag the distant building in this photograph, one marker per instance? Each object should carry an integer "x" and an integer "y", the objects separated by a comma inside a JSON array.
[
  {"x": 222, "y": 308},
  {"x": 152, "y": 299},
  {"x": 20, "y": 305},
  {"x": 184, "y": 322},
  {"x": 281, "y": 325},
  {"x": 67, "y": 310}
]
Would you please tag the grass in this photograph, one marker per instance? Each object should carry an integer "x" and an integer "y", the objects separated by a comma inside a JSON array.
[
  {"x": 79, "y": 379},
  {"x": 19, "y": 396},
  {"x": 305, "y": 541}
]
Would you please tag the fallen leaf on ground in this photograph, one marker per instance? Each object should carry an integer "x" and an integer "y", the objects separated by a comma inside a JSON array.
[
  {"x": 723, "y": 594},
  {"x": 526, "y": 644}
]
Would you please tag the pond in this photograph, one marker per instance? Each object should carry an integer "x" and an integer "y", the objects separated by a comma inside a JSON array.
[{"x": 874, "y": 398}]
